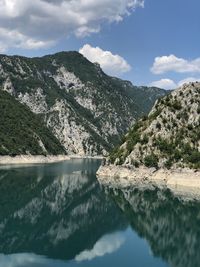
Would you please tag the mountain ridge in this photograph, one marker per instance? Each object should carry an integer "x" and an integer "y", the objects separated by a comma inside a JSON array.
[{"x": 85, "y": 109}]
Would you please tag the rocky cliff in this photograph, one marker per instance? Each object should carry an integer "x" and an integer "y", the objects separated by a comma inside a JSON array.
[
  {"x": 86, "y": 110},
  {"x": 168, "y": 137}
]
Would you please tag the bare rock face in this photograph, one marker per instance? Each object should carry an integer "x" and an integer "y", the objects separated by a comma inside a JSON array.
[
  {"x": 169, "y": 136},
  {"x": 86, "y": 110}
]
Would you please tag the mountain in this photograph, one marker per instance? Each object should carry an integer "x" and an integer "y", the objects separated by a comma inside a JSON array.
[
  {"x": 169, "y": 136},
  {"x": 86, "y": 110},
  {"x": 22, "y": 131}
]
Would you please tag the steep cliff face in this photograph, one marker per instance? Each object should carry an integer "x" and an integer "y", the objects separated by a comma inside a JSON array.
[
  {"x": 168, "y": 136},
  {"x": 85, "y": 109}
]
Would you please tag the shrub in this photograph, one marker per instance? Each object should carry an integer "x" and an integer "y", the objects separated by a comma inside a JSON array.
[
  {"x": 194, "y": 157},
  {"x": 116, "y": 153},
  {"x": 135, "y": 163},
  {"x": 133, "y": 139},
  {"x": 190, "y": 127},
  {"x": 144, "y": 140},
  {"x": 176, "y": 105},
  {"x": 158, "y": 126},
  {"x": 164, "y": 146},
  {"x": 154, "y": 115},
  {"x": 168, "y": 164},
  {"x": 151, "y": 161}
]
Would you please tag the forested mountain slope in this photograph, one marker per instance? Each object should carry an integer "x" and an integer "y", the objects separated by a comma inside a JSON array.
[
  {"x": 22, "y": 132},
  {"x": 86, "y": 110}
]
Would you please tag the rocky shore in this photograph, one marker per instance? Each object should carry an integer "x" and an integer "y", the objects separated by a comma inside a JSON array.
[{"x": 179, "y": 180}]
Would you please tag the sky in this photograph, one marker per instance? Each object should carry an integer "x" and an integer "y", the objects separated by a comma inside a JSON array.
[{"x": 149, "y": 42}]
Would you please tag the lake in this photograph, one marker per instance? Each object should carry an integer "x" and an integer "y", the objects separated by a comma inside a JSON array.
[{"x": 58, "y": 215}]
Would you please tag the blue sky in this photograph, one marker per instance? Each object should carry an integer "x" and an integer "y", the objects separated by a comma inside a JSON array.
[{"x": 166, "y": 30}]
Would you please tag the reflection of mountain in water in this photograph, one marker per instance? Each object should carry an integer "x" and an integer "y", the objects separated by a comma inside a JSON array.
[
  {"x": 170, "y": 225},
  {"x": 56, "y": 210}
]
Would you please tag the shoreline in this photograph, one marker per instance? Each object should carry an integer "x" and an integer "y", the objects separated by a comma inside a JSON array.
[
  {"x": 180, "y": 181},
  {"x": 86, "y": 157},
  {"x": 39, "y": 159},
  {"x": 29, "y": 159}
]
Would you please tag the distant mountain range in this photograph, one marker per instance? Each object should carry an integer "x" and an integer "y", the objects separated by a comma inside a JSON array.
[{"x": 69, "y": 105}]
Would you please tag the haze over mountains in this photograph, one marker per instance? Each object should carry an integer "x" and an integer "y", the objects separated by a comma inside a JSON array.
[{"x": 86, "y": 110}]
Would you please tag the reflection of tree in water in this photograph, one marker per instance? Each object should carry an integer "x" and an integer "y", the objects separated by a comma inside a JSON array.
[
  {"x": 54, "y": 213},
  {"x": 169, "y": 224}
]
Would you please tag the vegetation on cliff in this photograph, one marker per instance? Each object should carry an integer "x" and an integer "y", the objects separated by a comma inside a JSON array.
[
  {"x": 85, "y": 109},
  {"x": 23, "y": 132},
  {"x": 169, "y": 136}
]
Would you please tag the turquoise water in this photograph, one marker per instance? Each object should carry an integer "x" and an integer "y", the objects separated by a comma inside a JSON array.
[{"x": 57, "y": 215}]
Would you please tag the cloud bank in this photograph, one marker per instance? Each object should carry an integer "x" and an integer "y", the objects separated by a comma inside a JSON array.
[
  {"x": 169, "y": 84},
  {"x": 164, "y": 83},
  {"x": 111, "y": 64},
  {"x": 172, "y": 63},
  {"x": 41, "y": 23}
]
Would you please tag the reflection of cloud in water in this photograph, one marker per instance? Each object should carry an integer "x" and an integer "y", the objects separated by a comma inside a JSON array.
[
  {"x": 21, "y": 260},
  {"x": 106, "y": 245}
]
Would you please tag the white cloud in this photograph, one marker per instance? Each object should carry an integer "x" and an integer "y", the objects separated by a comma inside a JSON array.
[
  {"x": 16, "y": 39},
  {"x": 111, "y": 64},
  {"x": 172, "y": 63},
  {"x": 40, "y": 23},
  {"x": 169, "y": 84},
  {"x": 106, "y": 245},
  {"x": 188, "y": 80},
  {"x": 164, "y": 83}
]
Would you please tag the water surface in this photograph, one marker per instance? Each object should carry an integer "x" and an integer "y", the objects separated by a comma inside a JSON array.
[{"x": 57, "y": 215}]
